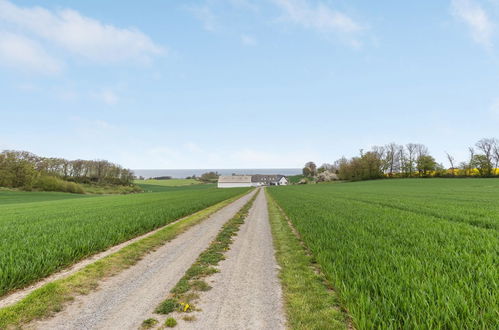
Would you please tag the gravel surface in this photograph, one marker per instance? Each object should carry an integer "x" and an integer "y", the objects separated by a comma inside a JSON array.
[
  {"x": 246, "y": 293},
  {"x": 123, "y": 301}
]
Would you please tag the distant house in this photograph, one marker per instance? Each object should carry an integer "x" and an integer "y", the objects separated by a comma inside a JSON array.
[
  {"x": 232, "y": 181},
  {"x": 257, "y": 180},
  {"x": 269, "y": 180}
]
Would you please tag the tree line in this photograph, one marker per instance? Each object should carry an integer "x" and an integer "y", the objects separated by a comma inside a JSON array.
[
  {"x": 22, "y": 169},
  {"x": 410, "y": 160}
]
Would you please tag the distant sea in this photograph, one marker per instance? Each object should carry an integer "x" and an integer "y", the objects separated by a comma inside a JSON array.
[{"x": 180, "y": 174}]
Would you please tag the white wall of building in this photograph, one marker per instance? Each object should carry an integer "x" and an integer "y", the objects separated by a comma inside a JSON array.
[
  {"x": 234, "y": 184},
  {"x": 283, "y": 181}
]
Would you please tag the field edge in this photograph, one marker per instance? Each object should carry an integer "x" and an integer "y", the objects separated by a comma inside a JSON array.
[{"x": 309, "y": 302}]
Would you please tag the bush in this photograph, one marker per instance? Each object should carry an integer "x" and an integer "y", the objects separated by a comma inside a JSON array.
[{"x": 51, "y": 183}]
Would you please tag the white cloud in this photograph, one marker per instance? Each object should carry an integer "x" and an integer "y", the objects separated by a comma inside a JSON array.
[
  {"x": 320, "y": 18},
  {"x": 108, "y": 97},
  {"x": 205, "y": 14},
  {"x": 248, "y": 40},
  {"x": 244, "y": 4},
  {"x": 25, "y": 54},
  {"x": 477, "y": 20},
  {"x": 80, "y": 35}
]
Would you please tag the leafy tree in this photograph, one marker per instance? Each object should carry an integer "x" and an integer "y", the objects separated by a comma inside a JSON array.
[
  {"x": 312, "y": 169},
  {"x": 483, "y": 164},
  {"x": 425, "y": 164},
  {"x": 209, "y": 177}
]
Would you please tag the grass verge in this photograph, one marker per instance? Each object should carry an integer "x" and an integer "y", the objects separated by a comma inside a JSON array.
[
  {"x": 185, "y": 293},
  {"x": 51, "y": 297},
  {"x": 310, "y": 302}
]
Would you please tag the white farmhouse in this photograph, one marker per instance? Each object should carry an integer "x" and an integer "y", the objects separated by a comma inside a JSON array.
[
  {"x": 269, "y": 180},
  {"x": 232, "y": 181}
]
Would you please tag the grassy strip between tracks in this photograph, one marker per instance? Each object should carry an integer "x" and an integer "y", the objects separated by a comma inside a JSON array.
[
  {"x": 309, "y": 300},
  {"x": 51, "y": 297},
  {"x": 185, "y": 293}
]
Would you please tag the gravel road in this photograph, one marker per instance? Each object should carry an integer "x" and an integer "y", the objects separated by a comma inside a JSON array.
[
  {"x": 123, "y": 301},
  {"x": 246, "y": 293}
]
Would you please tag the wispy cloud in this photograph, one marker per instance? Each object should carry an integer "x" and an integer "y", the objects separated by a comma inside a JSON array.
[
  {"x": 204, "y": 13},
  {"x": 476, "y": 18},
  {"x": 321, "y": 18},
  {"x": 26, "y": 54},
  {"x": 248, "y": 40},
  {"x": 80, "y": 35},
  {"x": 108, "y": 97}
]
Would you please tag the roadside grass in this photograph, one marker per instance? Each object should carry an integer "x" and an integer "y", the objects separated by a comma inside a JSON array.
[
  {"x": 309, "y": 300},
  {"x": 51, "y": 297},
  {"x": 184, "y": 294}
]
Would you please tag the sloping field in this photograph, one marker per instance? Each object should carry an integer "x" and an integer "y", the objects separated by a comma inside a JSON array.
[
  {"x": 405, "y": 253},
  {"x": 152, "y": 185},
  {"x": 38, "y": 238},
  {"x": 168, "y": 183},
  {"x": 12, "y": 197}
]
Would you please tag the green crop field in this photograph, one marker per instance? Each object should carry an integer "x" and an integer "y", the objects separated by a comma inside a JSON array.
[
  {"x": 39, "y": 237},
  {"x": 11, "y": 197},
  {"x": 172, "y": 184},
  {"x": 169, "y": 183},
  {"x": 414, "y": 253}
]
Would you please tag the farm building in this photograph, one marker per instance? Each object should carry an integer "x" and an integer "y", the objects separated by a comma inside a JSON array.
[
  {"x": 231, "y": 181},
  {"x": 269, "y": 180}
]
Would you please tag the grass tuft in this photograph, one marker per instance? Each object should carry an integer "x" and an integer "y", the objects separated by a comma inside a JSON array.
[
  {"x": 170, "y": 322},
  {"x": 149, "y": 323},
  {"x": 168, "y": 306}
]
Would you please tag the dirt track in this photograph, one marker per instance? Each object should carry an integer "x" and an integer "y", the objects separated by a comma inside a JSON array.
[
  {"x": 124, "y": 301},
  {"x": 246, "y": 293}
]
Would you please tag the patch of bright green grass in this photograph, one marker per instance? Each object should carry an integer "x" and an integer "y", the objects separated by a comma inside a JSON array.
[
  {"x": 149, "y": 323},
  {"x": 170, "y": 322}
]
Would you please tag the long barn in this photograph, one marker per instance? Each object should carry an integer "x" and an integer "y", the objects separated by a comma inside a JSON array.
[{"x": 231, "y": 181}]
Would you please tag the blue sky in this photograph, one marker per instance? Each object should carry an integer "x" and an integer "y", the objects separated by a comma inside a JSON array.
[{"x": 248, "y": 84}]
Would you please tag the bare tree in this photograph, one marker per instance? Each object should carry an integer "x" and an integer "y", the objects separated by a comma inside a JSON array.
[
  {"x": 451, "y": 161},
  {"x": 470, "y": 163},
  {"x": 411, "y": 157},
  {"x": 392, "y": 158}
]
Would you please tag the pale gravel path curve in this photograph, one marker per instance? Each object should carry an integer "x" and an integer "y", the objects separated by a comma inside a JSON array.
[
  {"x": 246, "y": 293},
  {"x": 123, "y": 301}
]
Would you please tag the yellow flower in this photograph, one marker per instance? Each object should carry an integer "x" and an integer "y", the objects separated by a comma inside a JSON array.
[{"x": 186, "y": 307}]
